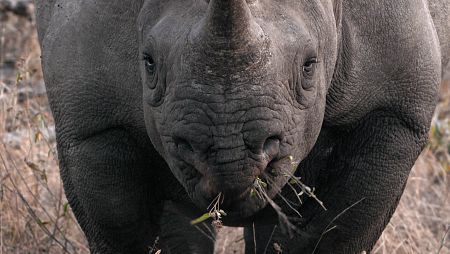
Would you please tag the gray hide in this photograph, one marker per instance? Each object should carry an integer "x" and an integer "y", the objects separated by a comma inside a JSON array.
[{"x": 161, "y": 105}]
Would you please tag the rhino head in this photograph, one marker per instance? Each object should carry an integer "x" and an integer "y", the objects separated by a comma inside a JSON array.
[{"x": 235, "y": 91}]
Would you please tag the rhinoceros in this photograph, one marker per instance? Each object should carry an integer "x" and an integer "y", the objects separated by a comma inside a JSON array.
[{"x": 298, "y": 120}]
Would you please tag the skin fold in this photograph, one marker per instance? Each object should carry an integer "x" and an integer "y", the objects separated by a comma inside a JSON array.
[{"x": 160, "y": 106}]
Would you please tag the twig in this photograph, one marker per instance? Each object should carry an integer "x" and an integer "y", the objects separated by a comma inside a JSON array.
[
  {"x": 30, "y": 209},
  {"x": 254, "y": 237},
  {"x": 209, "y": 230},
  {"x": 215, "y": 213},
  {"x": 328, "y": 229},
  {"x": 288, "y": 203},
  {"x": 443, "y": 240},
  {"x": 284, "y": 220},
  {"x": 204, "y": 233},
  {"x": 153, "y": 248},
  {"x": 270, "y": 239}
]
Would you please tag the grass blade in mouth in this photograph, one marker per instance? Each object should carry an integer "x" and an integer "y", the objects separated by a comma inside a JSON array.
[
  {"x": 215, "y": 213},
  {"x": 200, "y": 219}
]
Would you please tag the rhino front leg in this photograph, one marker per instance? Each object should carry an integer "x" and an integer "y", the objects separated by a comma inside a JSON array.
[
  {"x": 368, "y": 170},
  {"x": 106, "y": 180},
  {"x": 181, "y": 237}
]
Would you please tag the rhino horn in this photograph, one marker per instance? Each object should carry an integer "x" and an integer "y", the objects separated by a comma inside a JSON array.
[{"x": 231, "y": 20}]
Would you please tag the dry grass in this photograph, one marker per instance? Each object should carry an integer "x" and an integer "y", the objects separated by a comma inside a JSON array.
[{"x": 35, "y": 217}]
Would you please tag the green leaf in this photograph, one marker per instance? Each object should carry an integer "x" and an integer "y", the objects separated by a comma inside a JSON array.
[
  {"x": 42, "y": 222},
  {"x": 260, "y": 183},
  {"x": 18, "y": 77},
  {"x": 66, "y": 208},
  {"x": 200, "y": 219},
  {"x": 38, "y": 137},
  {"x": 263, "y": 184}
]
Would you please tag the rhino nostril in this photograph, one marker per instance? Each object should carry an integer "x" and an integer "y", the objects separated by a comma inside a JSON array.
[{"x": 272, "y": 146}]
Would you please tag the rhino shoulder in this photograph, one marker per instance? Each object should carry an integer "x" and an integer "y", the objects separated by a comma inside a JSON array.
[
  {"x": 389, "y": 60},
  {"x": 44, "y": 9},
  {"x": 52, "y": 15},
  {"x": 51, "y": 12}
]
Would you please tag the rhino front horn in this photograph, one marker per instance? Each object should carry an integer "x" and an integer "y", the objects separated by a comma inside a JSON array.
[{"x": 232, "y": 22}]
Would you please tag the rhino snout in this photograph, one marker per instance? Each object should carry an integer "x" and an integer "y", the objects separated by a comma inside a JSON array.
[
  {"x": 196, "y": 152},
  {"x": 229, "y": 164}
]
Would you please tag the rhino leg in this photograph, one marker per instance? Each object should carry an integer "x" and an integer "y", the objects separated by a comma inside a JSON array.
[
  {"x": 106, "y": 182},
  {"x": 179, "y": 236}
]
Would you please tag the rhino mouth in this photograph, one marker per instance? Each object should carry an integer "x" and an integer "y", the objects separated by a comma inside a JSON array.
[{"x": 241, "y": 200}]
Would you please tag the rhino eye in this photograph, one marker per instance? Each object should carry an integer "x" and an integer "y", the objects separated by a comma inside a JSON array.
[
  {"x": 309, "y": 67},
  {"x": 150, "y": 64},
  {"x": 305, "y": 84},
  {"x": 151, "y": 79}
]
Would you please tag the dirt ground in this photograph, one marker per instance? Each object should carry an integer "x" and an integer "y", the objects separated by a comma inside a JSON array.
[{"x": 35, "y": 216}]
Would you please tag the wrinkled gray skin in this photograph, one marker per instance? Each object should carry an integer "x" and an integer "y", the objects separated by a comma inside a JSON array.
[{"x": 161, "y": 105}]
